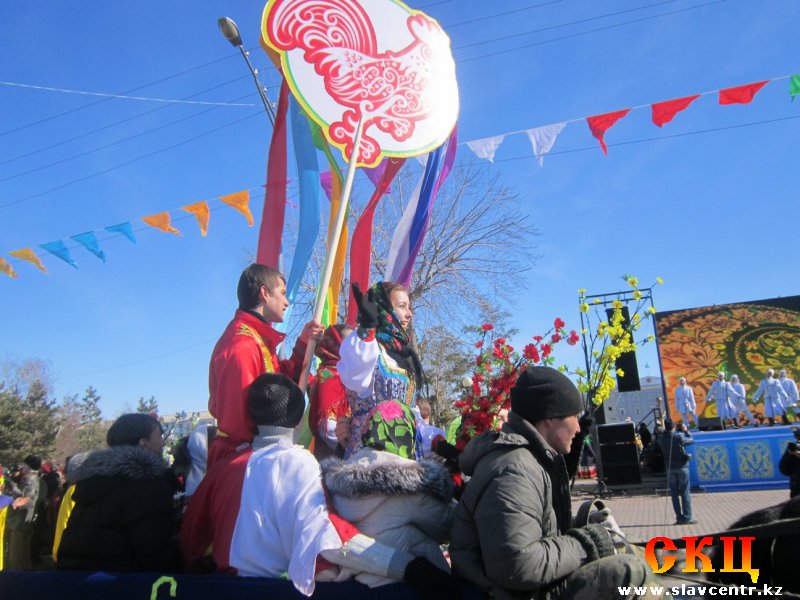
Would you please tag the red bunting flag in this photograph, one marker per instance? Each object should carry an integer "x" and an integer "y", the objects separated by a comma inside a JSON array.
[
  {"x": 664, "y": 112},
  {"x": 269, "y": 237},
  {"x": 599, "y": 124},
  {"x": 742, "y": 94}
]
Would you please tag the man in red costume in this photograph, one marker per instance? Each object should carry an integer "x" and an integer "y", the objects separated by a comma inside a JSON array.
[{"x": 247, "y": 349}]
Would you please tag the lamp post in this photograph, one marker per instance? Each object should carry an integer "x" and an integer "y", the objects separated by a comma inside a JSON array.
[{"x": 231, "y": 33}]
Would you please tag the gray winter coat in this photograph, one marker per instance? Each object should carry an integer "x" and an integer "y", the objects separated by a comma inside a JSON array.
[
  {"x": 511, "y": 533},
  {"x": 403, "y": 503}
]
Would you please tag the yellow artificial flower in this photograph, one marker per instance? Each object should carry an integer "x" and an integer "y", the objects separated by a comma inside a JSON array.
[
  {"x": 616, "y": 304},
  {"x": 659, "y": 280},
  {"x": 582, "y": 291},
  {"x": 596, "y": 300},
  {"x": 637, "y": 295},
  {"x": 633, "y": 281},
  {"x": 584, "y": 308},
  {"x": 651, "y": 310}
]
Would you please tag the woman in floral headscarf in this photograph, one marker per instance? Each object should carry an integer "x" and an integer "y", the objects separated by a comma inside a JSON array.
[
  {"x": 387, "y": 494},
  {"x": 377, "y": 360},
  {"x": 328, "y": 400}
]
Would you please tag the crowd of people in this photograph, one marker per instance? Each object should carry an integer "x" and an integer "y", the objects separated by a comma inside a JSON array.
[{"x": 379, "y": 496}]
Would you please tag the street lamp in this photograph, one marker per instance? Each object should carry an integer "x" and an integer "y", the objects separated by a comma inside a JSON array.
[{"x": 231, "y": 33}]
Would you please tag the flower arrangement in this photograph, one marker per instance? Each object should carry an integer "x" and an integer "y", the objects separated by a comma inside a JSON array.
[
  {"x": 497, "y": 367},
  {"x": 611, "y": 338}
]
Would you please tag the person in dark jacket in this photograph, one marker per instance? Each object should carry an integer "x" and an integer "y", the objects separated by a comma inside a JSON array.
[
  {"x": 513, "y": 534},
  {"x": 676, "y": 459},
  {"x": 790, "y": 463},
  {"x": 123, "y": 518}
]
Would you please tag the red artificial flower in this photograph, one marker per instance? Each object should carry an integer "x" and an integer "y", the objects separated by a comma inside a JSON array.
[
  {"x": 574, "y": 338},
  {"x": 559, "y": 324},
  {"x": 499, "y": 341},
  {"x": 537, "y": 338},
  {"x": 531, "y": 353},
  {"x": 487, "y": 326},
  {"x": 555, "y": 338},
  {"x": 479, "y": 344},
  {"x": 546, "y": 349},
  {"x": 497, "y": 352}
]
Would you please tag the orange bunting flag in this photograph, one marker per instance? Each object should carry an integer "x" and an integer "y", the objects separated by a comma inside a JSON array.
[
  {"x": 161, "y": 221},
  {"x": 7, "y": 268},
  {"x": 200, "y": 212},
  {"x": 28, "y": 255},
  {"x": 241, "y": 202}
]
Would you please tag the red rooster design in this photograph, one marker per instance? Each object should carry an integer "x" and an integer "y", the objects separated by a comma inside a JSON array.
[{"x": 392, "y": 90}]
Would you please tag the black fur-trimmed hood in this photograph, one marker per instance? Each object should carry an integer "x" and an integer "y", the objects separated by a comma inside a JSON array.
[
  {"x": 131, "y": 461},
  {"x": 389, "y": 477}
]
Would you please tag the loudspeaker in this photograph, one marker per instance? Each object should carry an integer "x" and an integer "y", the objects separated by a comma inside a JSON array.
[
  {"x": 709, "y": 424},
  {"x": 620, "y": 464},
  {"x": 616, "y": 433},
  {"x": 629, "y": 382}
]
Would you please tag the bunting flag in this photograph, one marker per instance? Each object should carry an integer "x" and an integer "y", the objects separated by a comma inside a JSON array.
[
  {"x": 7, "y": 269},
  {"x": 599, "y": 124},
  {"x": 308, "y": 173},
  {"x": 59, "y": 249},
  {"x": 28, "y": 255},
  {"x": 89, "y": 241},
  {"x": 486, "y": 147},
  {"x": 742, "y": 94},
  {"x": 271, "y": 232},
  {"x": 240, "y": 201},
  {"x": 123, "y": 228},
  {"x": 361, "y": 246},
  {"x": 200, "y": 212},
  {"x": 162, "y": 222},
  {"x": 420, "y": 227},
  {"x": 664, "y": 112},
  {"x": 543, "y": 139},
  {"x": 794, "y": 86}
]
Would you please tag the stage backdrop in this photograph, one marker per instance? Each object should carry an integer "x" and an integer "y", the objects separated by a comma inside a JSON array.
[{"x": 744, "y": 339}]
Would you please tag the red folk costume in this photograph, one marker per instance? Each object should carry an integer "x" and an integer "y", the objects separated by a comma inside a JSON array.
[
  {"x": 327, "y": 395},
  {"x": 246, "y": 349}
]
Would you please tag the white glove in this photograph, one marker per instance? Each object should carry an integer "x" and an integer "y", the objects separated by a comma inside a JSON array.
[{"x": 605, "y": 519}]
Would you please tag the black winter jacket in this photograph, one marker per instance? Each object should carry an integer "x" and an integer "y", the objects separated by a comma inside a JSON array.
[{"x": 123, "y": 519}]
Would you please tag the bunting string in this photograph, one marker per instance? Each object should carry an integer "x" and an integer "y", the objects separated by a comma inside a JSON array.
[
  {"x": 543, "y": 138},
  {"x": 162, "y": 221}
]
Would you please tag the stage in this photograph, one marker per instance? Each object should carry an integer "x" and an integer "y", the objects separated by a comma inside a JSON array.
[{"x": 739, "y": 459}]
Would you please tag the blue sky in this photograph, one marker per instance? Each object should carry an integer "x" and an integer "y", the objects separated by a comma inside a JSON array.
[{"x": 708, "y": 204}]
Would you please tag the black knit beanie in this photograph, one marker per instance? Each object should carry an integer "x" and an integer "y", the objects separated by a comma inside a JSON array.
[
  {"x": 545, "y": 393},
  {"x": 274, "y": 399}
]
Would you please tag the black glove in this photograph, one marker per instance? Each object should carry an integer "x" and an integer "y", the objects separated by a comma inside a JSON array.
[
  {"x": 431, "y": 582},
  {"x": 367, "y": 308}
]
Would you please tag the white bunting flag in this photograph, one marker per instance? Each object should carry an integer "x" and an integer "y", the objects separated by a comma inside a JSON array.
[
  {"x": 486, "y": 147},
  {"x": 543, "y": 138}
]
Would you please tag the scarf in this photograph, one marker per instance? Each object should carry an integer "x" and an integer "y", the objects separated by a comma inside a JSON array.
[{"x": 394, "y": 338}]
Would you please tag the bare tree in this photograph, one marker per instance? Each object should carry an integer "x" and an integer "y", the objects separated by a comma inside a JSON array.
[{"x": 465, "y": 256}]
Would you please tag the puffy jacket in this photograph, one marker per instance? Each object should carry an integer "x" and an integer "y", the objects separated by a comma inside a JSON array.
[
  {"x": 511, "y": 533},
  {"x": 123, "y": 518},
  {"x": 403, "y": 503}
]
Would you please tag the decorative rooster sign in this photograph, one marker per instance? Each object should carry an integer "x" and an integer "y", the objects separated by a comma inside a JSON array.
[
  {"x": 374, "y": 62},
  {"x": 378, "y": 78}
]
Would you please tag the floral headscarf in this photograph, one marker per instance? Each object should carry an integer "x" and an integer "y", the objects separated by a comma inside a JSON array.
[
  {"x": 391, "y": 427},
  {"x": 328, "y": 348},
  {"x": 394, "y": 338}
]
